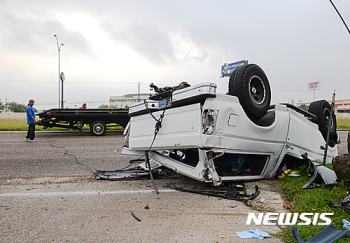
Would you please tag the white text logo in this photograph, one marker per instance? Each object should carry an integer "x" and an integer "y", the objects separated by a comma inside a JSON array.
[{"x": 289, "y": 219}]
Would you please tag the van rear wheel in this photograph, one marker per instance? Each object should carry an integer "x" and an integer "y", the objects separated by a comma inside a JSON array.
[
  {"x": 322, "y": 110},
  {"x": 250, "y": 84}
]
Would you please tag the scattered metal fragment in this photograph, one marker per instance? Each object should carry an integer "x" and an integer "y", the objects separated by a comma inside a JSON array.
[
  {"x": 119, "y": 174},
  {"x": 135, "y": 217},
  {"x": 154, "y": 165},
  {"x": 231, "y": 193},
  {"x": 142, "y": 170},
  {"x": 344, "y": 204}
]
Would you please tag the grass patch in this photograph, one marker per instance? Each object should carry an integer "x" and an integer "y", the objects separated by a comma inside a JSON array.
[
  {"x": 21, "y": 125},
  {"x": 343, "y": 123},
  {"x": 312, "y": 201}
]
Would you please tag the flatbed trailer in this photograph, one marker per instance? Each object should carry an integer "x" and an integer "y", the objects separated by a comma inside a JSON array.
[{"x": 97, "y": 119}]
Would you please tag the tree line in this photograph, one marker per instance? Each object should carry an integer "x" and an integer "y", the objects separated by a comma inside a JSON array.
[{"x": 13, "y": 106}]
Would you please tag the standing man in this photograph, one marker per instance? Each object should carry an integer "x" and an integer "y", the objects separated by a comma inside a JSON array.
[{"x": 31, "y": 121}]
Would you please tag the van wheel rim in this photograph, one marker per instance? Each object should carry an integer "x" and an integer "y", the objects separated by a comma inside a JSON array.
[
  {"x": 257, "y": 90},
  {"x": 327, "y": 117}
]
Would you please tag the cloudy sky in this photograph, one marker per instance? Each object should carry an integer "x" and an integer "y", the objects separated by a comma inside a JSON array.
[{"x": 111, "y": 46}]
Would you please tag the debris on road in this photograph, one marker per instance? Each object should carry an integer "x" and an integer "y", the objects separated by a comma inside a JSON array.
[
  {"x": 320, "y": 175},
  {"x": 287, "y": 206},
  {"x": 253, "y": 233},
  {"x": 119, "y": 174},
  {"x": 141, "y": 170},
  {"x": 135, "y": 217},
  {"x": 345, "y": 204},
  {"x": 328, "y": 235},
  {"x": 231, "y": 192},
  {"x": 346, "y": 224},
  {"x": 289, "y": 172}
]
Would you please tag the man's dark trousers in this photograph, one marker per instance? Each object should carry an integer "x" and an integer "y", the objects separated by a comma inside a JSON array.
[{"x": 31, "y": 132}]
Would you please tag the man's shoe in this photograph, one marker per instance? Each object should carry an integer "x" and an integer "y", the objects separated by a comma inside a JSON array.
[
  {"x": 31, "y": 140},
  {"x": 27, "y": 139}
]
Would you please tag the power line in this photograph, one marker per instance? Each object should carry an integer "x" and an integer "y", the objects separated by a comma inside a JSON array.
[{"x": 340, "y": 16}]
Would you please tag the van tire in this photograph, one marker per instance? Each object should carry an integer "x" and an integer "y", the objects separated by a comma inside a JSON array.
[
  {"x": 250, "y": 84},
  {"x": 322, "y": 110}
]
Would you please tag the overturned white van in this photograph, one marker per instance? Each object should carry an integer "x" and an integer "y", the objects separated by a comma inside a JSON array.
[{"x": 227, "y": 137}]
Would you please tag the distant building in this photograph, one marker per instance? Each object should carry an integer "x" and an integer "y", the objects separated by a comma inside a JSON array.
[
  {"x": 341, "y": 108},
  {"x": 123, "y": 101}
]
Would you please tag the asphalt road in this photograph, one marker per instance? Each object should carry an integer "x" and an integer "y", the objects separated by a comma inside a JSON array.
[{"x": 48, "y": 194}]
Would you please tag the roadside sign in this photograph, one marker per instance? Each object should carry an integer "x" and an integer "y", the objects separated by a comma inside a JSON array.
[
  {"x": 314, "y": 86},
  {"x": 62, "y": 76},
  {"x": 227, "y": 68}
]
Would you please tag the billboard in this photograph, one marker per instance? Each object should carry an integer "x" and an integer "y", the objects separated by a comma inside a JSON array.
[
  {"x": 227, "y": 68},
  {"x": 314, "y": 86}
]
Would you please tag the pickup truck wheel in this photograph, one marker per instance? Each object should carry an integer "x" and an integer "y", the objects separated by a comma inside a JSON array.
[
  {"x": 322, "y": 109},
  {"x": 98, "y": 128},
  {"x": 250, "y": 84}
]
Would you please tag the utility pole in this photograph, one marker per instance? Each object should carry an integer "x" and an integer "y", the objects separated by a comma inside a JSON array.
[
  {"x": 139, "y": 90},
  {"x": 59, "y": 46},
  {"x": 62, "y": 77}
]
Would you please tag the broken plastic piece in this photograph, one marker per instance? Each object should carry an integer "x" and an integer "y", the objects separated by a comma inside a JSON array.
[
  {"x": 346, "y": 224},
  {"x": 289, "y": 172},
  {"x": 321, "y": 175},
  {"x": 287, "y": 206},
  {"x": 253, "y": 233},
  {"x": 327, "y": 235}
]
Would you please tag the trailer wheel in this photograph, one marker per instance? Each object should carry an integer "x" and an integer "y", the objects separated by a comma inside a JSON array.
[
  {"x": 322, "y": 109},
  {"x": 98, "y": 128},
  {"x": 250, "y": 84}
]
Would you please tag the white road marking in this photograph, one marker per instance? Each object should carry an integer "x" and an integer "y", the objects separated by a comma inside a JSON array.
[{"x": 77, "y": 193}]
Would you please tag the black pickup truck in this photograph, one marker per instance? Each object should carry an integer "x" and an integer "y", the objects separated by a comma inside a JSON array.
[{"x": 97, "y": 119}]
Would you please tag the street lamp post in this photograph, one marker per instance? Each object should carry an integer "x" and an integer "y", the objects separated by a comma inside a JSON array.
[{"x": 59, "y": 46}]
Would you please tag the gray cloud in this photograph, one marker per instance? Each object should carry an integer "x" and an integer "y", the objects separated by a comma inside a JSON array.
[
  {"x": 294, "y": 41},
  {"x": 30, "y": 35},
  {"x": 146, "y": 39}
]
